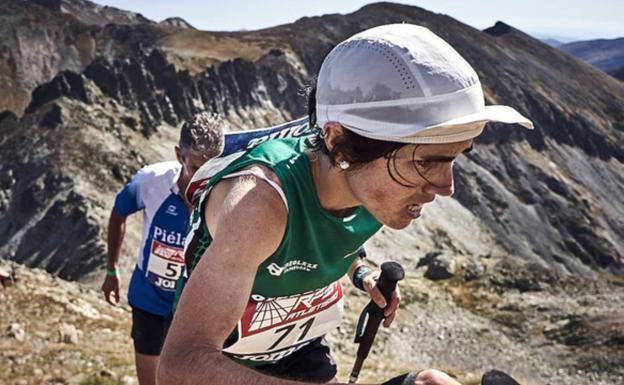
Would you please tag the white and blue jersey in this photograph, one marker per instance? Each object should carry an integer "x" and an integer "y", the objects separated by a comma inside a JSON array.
[{"x": 154, "y": 190}]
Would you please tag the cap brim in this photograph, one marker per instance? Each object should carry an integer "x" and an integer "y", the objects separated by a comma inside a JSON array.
[
  {"x": 467, "y": 127},
  {"x": 454, "y": 130},
  {"x": 502, "y": 114}
]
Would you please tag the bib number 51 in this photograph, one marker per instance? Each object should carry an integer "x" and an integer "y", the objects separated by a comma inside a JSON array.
[{"x": 173, "y": 270}]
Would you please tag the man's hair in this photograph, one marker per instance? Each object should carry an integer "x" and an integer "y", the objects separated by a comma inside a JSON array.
[{"x": 203, "y": 132}]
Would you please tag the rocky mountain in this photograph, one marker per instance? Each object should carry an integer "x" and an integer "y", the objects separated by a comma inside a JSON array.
[
  {"x": 91, "y": 13},
  {"x": 177, "y": 22},
  {"x": 71, "y": 33},
  {"x": 116, "y": 92},
  {"x": 606, "y": 54},
  {"x": 521, "y": 270},
  {"x": 619, "y": 73}
]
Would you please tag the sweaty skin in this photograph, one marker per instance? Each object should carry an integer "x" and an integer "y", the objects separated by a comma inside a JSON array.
[{"x": 217, "y": 292}]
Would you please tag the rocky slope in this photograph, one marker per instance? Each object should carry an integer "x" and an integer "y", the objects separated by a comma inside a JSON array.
[
  {"x": 80, "y": 139},
  {"x": 552, "y": 196},
  {"x": 540, "y": 327},
  {"x": 70, "y": 33},
  {"x": 58, "y": 332}
]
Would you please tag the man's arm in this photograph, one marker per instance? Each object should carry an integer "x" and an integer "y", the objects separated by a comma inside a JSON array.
[
  {"x": 127, "y": 201},
  {"x": 248, "y": 220},
  {"x": 116, "y": 232}
]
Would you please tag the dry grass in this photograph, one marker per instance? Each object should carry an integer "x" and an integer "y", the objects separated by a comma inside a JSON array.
[{"x": 39, "y": 304}]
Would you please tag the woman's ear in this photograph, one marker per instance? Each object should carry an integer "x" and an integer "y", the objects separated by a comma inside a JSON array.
[{"x": 332, "y": 134}]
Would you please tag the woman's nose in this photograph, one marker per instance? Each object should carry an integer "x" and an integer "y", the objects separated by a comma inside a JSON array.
[
  {"x": 442, "y": 185},
  {"x": 446, "y": 190}
]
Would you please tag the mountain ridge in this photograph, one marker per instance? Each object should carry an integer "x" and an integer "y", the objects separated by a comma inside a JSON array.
[
  {"x": 155, "y": 77},
  {"x": 606, "y": 54}
]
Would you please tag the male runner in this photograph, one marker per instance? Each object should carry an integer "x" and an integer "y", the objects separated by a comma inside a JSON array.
[{"x": 158, "y": 190}]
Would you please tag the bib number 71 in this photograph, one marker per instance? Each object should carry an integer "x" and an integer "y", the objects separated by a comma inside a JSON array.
[{"x": 286, "y": 330}]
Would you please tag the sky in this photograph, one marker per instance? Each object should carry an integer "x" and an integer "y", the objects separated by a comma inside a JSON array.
[{"x": 563, "y": 20}]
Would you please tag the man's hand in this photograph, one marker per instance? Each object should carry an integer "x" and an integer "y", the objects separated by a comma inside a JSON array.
[
  {"x": 110, "y": 288},
  {"x": 370, "y": 285},
  {"x": 116, "y": 231}
]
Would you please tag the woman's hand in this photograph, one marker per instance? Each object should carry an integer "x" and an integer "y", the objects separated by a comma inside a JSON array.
[{"x": 370, "y": 285}]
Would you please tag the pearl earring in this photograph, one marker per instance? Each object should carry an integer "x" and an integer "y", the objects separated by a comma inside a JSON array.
[{"x": 343, "y": 164}]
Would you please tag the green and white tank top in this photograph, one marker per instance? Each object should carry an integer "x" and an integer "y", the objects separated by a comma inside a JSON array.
[{"x": 296, "y": 295}]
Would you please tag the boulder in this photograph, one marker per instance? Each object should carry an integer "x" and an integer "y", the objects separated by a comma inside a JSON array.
[
  {"x": 472, "y": 269},
  {"x": 16, "y": 331},
  {"x": 68, "y": 334},
  {"x": 441, "y": 267}
]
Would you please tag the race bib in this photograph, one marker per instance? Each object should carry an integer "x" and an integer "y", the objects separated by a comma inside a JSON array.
[
  {"x": 166, "y": 264},
  {"x": 273, "y": 328}
]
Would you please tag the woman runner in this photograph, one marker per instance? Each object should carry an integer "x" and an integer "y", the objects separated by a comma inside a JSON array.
[{"x": 274, "y": 229}]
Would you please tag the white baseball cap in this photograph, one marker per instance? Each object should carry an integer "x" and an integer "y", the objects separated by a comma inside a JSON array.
[{"x": 402, "y": 83}]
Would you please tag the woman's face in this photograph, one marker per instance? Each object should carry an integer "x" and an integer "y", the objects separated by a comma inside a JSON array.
[{"x": 395, "y": 188}]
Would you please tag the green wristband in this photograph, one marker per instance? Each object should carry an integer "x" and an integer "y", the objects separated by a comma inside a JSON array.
[{"x": 111, "y": 273}]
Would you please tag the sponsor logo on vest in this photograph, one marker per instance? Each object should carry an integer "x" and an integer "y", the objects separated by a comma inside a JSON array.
[
  {"x": 277, "y": 270},
  {"x": 169, "y": 237},
  {"x": 273, "y": 356},
  {"x": 290, "y": 132},
  {"x": 171, "y": 210},
  {"x": 165, "y": 283},
  {"x": 264, "y": 313}
]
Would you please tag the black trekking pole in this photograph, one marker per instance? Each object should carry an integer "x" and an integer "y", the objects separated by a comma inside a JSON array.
[{"x": 391, "y": 273}]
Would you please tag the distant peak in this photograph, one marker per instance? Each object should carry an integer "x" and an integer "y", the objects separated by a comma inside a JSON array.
[
  {"x": 177, "y": 22},
  {"x": 386, "y": 5},
  {"x": 499, "y": 29}
]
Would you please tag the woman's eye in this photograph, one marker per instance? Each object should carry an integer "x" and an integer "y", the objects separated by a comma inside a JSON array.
[{"x": 423, "y": 163}]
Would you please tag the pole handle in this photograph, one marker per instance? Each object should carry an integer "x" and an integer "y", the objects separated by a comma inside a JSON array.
[{"x": 391, "y": 273}]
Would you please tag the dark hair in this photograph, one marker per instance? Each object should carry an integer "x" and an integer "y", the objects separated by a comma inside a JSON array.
[
  {"x": 359, "y": 150},
  {"x": 354, "y": 148},
  {"x": 203, "y": 132}
]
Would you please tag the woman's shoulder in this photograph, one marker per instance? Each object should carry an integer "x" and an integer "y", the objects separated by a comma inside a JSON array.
[{"x": 247, "y": 203}]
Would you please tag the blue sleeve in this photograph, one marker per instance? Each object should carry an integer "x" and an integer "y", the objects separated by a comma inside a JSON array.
[{"x": 128, "y": 200}]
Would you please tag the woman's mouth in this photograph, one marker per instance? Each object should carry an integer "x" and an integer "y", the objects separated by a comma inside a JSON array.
[{"x": 413, "y": 211}]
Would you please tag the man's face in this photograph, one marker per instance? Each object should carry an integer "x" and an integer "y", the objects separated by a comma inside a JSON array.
[
  {"x": 190, "y": 160},
  {"x": 395, "y": 189}
]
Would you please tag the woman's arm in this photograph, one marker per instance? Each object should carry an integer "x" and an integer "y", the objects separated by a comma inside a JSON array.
[{"x": 248, "y": 220}]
